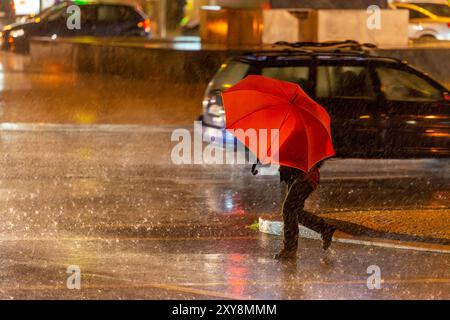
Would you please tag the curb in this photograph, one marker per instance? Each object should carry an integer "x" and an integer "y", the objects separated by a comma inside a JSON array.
[{"x": 275, "y": 227}]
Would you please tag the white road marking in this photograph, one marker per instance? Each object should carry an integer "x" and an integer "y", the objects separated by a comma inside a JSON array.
[{"x": 274, "y": 227}]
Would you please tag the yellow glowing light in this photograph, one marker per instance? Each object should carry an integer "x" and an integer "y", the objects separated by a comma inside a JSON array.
[
  {"x": 365, "y": 117},
  {"x": 227, "y": 85},
  {"x": 219, "y": 27},
  {"x": 189, "y": 5},
  {"x": 439, "y": 135},
  {"x": 84, "y": 117},
  {"x": 37, "y": 20},
  {"x": 223, "y": 66},
  {"x": 257, "y": 26}
]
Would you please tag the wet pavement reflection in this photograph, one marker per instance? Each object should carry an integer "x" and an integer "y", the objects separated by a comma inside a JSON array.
[
  {"x": 141, "y": 227},
  {"x": 28, "y": 95}
]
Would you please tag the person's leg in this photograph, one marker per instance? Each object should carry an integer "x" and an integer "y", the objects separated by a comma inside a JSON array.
[
  {"x": 290, "y": 227},
  {"x": 311, "y": 220},
  {"x": 317, "y": 224}
]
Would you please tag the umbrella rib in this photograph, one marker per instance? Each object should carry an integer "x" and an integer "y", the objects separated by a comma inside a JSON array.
[
  {"x": 282, "y": 89},
  {"x": 307, "y": 138},
  {"x": 295, "y": 106},
  {"x": 314, "y": 117},
  {"x": 254, "y": 111},
  {"x": 281, "y": 125},
  {"x": 263, "y": 92},
  {"x": 311, "y": 113},
  {"x": 307, "y": 141}
]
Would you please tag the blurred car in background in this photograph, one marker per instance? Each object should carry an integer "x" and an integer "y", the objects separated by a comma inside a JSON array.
[
  {"x": 428, "y": 21},
  {"x": 379, "y": 107},
  {"x": 97, "y": 19},
  {"x": 6, "y": 12}
]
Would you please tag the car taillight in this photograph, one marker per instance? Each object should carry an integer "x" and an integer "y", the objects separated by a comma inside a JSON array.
[
  {"x": 145, "y": 24},
  {"x": 446, "y": 96}
]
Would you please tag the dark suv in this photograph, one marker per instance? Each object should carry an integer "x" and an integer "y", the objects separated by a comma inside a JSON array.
[
  {"x": 96, "y": 19},
  {"x": 380, "y": 107}
]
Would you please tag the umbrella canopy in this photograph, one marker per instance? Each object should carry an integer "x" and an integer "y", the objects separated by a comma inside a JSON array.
[{"x": 258, "y": 106}]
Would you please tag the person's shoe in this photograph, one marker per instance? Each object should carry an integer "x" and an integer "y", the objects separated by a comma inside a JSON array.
[
  {"x": 327, "y": 237},
  {"x": 286, "y": 255}
]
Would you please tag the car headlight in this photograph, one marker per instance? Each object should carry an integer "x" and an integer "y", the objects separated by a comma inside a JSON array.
[
  {"x": 215, "y": 105},
  {"x": 17, "y": 33},
  {"x": 216, "y": 110}
]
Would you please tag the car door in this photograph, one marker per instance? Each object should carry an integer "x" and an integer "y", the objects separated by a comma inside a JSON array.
[
  {"x": 415, "y": 112},
  {"x": 346, "y": 90}
]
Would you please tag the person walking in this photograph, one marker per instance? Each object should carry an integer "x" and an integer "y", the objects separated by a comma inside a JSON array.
[
  {"x": 300, "y": 185},
  {"x": 299, "y": 140}
]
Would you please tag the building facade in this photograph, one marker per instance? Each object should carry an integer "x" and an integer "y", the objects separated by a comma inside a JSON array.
[{"x": 328, "y": 4}]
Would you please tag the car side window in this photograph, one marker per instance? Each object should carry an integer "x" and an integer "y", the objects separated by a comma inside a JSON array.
[
  {"x": 110, "y": 13},
  {"x": 88, "y": 15},
  {"x": 414, "y": 14},
  {"x": 128, "y": 14},
  {"x": 344, "y": 82},
  {"x": 400, "y": 85},
  {"x": 299, "y": 75}
]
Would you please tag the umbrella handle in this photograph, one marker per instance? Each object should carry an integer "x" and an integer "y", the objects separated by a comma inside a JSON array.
[{"x": 254, "y": 171}]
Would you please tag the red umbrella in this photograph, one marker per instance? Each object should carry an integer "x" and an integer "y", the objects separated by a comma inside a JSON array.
[{"x": 301, "y": 136}]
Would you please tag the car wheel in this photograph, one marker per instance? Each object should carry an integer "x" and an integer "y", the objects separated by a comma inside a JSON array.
[{"x": 427, "y": 37}]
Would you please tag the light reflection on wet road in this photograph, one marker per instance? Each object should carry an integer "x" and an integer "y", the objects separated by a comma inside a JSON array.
[
  {"x": 52, "y": 97},
  {"x": 141, "y": 227}
]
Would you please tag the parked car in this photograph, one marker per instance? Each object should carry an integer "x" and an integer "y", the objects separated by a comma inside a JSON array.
[
  {"x": 97, "y": 19},
  {"x": 428, "y": 21},
  {"x": 380, "y": 107}
]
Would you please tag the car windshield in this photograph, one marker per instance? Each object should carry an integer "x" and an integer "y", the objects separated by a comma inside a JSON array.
[
  {"x": 45, "y": 13},
  {"x": 228, "y": 75},
  {"x": 440, "y": 10}
]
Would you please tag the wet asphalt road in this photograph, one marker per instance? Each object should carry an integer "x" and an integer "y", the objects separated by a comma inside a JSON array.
[{"x": 109, "y": 200}]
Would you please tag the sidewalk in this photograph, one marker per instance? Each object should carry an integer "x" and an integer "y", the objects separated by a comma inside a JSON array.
[{"x": 425, "y": 230}]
